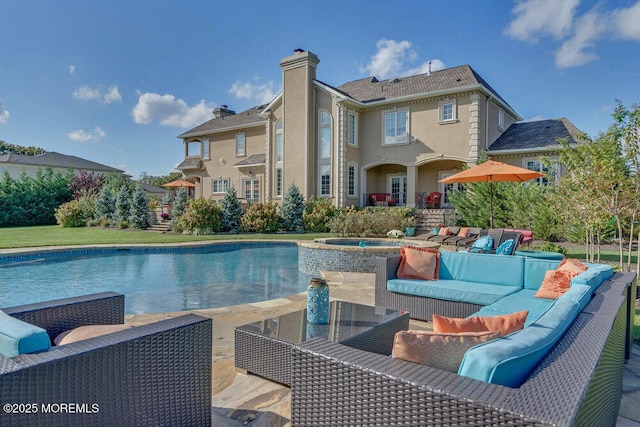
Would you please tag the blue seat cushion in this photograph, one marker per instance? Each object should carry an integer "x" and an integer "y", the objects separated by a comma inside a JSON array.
[
  {"x": 510, "y": 360},
  {"x": 481, "y": 268},
  {"x": 452, "y": 290},
  {"x": 18, "y": 337},
  {"x": 518, "y": 301}
]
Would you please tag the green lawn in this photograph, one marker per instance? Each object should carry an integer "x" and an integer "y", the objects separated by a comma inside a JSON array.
[{"x": 53, "y": 235}]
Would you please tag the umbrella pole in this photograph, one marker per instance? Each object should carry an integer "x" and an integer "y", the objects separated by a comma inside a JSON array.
[{"x": 490, "y": 202}]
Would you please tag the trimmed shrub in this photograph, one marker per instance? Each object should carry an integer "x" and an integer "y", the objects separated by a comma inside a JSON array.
[
  {"x": 71, "y": 214},
  {"x": 370, "y": 221},
  {"x": 200, "y": 216},
  {"x": 261, "y": 218},
  {"x": 317, "y": 214},
  {"x": 292, "y": 208}
]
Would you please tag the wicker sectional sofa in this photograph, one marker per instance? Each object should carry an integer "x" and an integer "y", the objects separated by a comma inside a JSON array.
[
  {"x": 575, "y": 381},
  {"x": 150, "y": 375}
]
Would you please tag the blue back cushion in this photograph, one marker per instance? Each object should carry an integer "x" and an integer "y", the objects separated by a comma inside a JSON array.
[
  {"x": 18, "y": 337},
  {"x": 481, "y": 268},
  {"x": 535, "y": 269}
]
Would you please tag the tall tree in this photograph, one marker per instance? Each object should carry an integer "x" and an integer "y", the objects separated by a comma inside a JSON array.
[{"x": 19, "y": 149}]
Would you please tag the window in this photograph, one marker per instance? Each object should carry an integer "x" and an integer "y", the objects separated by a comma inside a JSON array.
[
  {"x": 352, "y": 182},
  {"x": 251, "y": 189},
  {"x": 278, "y": 182},
  {"x": 193, "y": 148},
  {"x": 396, "y": 125},
  {"x": 205, "y": 149},
  {"x": 324, "y": 153},
  {"x": 500, "y": 119},
  {"x": 240, "y": 144},
  {"x": 279, "y": 142},
  {"x": 537, "y": 166},
  {"x": 353, "y": 129},
  {"x": 220, "y": 185},
  {"x": 325, "y": 180},
  {"x": 447, "y": 111}
]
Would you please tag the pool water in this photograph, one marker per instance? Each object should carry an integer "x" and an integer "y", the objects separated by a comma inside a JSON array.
[{"x": 156, "y": 280}]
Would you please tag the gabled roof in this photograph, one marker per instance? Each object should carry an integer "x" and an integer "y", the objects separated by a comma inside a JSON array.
[
  {"x": 190, "y": 163},
  {"x": 370, "y": 89},
  {"x": 58, "y": 160},
  {"x": 247, "y": 118},
  {"x": 540, "y": 134}
]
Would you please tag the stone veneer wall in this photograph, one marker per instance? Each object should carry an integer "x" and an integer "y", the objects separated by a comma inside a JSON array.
[{"x": 313, "y": 257}]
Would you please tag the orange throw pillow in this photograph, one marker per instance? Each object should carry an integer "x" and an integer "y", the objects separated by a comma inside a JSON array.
[
  {"x": 506, "y": 323},
  {"x": 555, "y": 284},
  {"x": 464, "y": 232},
  {"x": 442, "y": 351},
  {"x": 573, "y": 265},
  {"x": 85, "y": 332},
  {"x": 444, "y": 231},
  {"x": 419, "y": 263}
]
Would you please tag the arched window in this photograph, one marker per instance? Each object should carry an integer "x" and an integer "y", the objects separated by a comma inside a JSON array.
[
  {"x": 279, "y": 157},
  {"x": 324, "y": 153}
]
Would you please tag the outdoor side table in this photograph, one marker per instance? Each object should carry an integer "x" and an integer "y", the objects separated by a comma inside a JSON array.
[
  {"x": 530, "y": 253},
  {"x": 265, "y": 348}
]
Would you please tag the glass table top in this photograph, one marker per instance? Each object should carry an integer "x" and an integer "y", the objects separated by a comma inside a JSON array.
[{"x": 345, "y": 321}]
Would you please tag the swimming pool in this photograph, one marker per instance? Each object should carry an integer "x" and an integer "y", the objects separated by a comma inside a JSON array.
[{"x": 158, "y": 279}]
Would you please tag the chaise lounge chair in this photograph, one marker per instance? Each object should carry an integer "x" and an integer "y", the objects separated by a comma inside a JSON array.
[{"x": 156, "y": 374}]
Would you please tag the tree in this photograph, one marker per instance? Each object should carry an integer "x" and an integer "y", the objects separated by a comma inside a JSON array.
[
  {"x": 231, "y": 211},
  {"x": 180, "y": 202},
  {"x": 86, "y": 184},
  {"x": 6, "y": 148},
  {"x": 122, "y": 206},
  {"x": 292, "y": 209},
  {"x": 105, "y": 205},
  {"x": 159, "y": 180},
  {"x": 138, "y": 208}
]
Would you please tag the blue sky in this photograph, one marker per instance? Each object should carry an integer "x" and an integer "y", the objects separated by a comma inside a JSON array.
[{"x": 116, "y": 81}]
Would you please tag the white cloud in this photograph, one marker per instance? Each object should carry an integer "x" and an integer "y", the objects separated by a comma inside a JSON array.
[
  {"x": 542, "y": 16},
  {"x": 169, "y": 111},
  {"x": 4, "y": 114},
  {"x": 261, "y": 93},
  {"x": 626, "y": 22},
  {"x": 72, "y": 69},
  {"x": 391, "y": 60},
  {"x": 81, "y": 135},
  {"x": 86, "y": 93},
  {"x": 573, "y": 52}
]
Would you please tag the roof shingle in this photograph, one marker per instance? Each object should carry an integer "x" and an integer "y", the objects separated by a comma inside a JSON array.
[
  {"x": 54, "y": 159},
  {"x": 245, "y": 118},
  {"x": 538, "y": 134}
]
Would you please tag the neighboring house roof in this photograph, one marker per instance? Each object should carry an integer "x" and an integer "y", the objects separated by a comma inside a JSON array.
[
  {"x": 248, "y": 118},
  {"x": 255, "y": 160},
  {"x": 148, "y": 188},
  {"x": 370, "y": 89},
  {"x": 537, "y": 135},
  {"x": 58, "y": 160}
]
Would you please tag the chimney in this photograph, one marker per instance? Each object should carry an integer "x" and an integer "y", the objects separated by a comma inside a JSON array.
[
  {"x": 223, "y": 111},
  {"x": 429, "y": 72}
]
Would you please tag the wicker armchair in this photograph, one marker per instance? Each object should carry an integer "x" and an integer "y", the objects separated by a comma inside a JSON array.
[
  {"x": 156, "y": 374},
  {"x": 579, "y": 382}
]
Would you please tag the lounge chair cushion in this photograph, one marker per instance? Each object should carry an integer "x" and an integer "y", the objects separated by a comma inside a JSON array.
[
  {"x": 86, "y": 332},
  {"x": 464, "y": 232},
  {"x": 452, "y": 290},
  {"x": 419, "y": 263},
  {"x": 18, "y": 337},
  {"x": 506, "y": 323},
  {"x": 444, "y": 231},
  {"x": 506, "y": 247},
  {"x": 442, "y": 351}
]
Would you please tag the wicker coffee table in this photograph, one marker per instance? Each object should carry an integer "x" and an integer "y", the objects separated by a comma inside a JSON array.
[{"x": 264, "y": 348}]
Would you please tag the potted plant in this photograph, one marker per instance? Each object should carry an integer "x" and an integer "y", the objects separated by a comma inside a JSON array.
[{"x": 410, "y": 227}]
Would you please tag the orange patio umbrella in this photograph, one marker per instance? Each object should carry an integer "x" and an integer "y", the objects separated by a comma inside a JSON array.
[
  {"x": 491, "y": 171},
  {"x": 178, "y": 183}
]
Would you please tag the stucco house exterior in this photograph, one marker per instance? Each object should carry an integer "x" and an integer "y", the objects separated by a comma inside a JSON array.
[{"x": 396, "y": 136}]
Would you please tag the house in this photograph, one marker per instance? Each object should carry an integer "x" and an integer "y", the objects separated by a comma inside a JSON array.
[
  {"x": 396, "y": 136},
  {"x": 16, "y": 164}
]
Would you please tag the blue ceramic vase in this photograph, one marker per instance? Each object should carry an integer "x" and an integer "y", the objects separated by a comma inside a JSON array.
[{"x": 318, "y": 301}]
